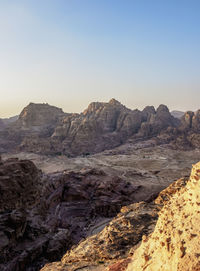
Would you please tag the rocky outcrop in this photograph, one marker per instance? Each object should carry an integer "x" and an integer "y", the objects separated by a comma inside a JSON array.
[
  {"x": 113, "y": 242},
  {"x": 156, "y": 121},
  {"x": 39, "y": 115},
  {"x": 19, "y": 193},
  {"x": 101, "y": 126},
  {"x": 36, "y": 123},
  {"x": 19, "y": 181},
  {"x": 186, "y": 135},
  {"x": 41, "y": 216},
  {"x": 174, "y": 244}
]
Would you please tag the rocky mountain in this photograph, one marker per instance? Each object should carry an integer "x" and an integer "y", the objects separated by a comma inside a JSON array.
[
  {"x": 34, "y": 116},
  {"x": 42, "y": 128}
]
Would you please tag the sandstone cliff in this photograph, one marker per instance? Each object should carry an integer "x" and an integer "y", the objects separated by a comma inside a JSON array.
[
  {"x": 174, "y": 244},
  {"x": 39, "y": 115}
]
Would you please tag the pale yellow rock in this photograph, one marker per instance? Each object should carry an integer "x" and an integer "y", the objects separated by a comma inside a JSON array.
[{"x": 175, "y": 244}]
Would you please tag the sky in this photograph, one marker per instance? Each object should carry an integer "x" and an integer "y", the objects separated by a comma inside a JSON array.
[{"x": 69, "y": 53}]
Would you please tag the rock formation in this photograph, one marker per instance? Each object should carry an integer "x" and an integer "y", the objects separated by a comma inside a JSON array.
[
  {"x": 35, "y": 115},
  {"x": 174, "y": 244},
  {"x": 43, "y": 215},
  {"x": 113, "y": 242},
  {"x": 42, "y": 128}
]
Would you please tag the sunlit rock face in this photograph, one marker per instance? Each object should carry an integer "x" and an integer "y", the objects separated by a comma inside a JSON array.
[
  {"x": 39, "y": 115},
  {"x": 175, "y": 243},
  {"x": 113, "y": 243}
]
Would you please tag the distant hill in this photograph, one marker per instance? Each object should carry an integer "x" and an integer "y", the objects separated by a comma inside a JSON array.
[
  {"x": 177, "y": 114},
  {"x": 6, "y": 121},
  {"x": 46, "y": 129}
]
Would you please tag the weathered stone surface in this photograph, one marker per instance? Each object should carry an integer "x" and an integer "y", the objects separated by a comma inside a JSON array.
[
  {"x": 41, "y": 216},
  {"x": 39, "y": 115},
  {"x": 174, "y": 244},
  {"x": 99, "y": 127},
  {"x": 19, "y": 194},
  {"x": 113, "y": 242},
  {"x": 19, "y": 181}
]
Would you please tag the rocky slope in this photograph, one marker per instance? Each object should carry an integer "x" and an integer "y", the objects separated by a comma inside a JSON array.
[
  {"x": 113, "y": 243},
  {"x": 174, "y": 244},
  {"x": 43, "y": 215},
  {"x": 113, "y": 247},
  {"x": 42, "y": 128}
]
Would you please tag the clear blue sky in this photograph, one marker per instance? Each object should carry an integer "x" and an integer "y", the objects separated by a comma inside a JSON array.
[{"x": 72, "y": 52}]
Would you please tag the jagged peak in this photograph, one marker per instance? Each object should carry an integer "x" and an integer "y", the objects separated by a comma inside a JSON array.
[
  {"x": 93, "y": 107},
  {"x": 149, "y": 109},
  {"x": 114, "y": 102},
  {"x": 162, "y": 107}
]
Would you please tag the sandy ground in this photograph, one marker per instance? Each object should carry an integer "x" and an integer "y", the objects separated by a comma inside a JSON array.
[{"x": 150, "y": 166}]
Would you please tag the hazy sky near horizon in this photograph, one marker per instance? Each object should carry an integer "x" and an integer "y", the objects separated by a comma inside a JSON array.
[{"x": 72, "y": 52}]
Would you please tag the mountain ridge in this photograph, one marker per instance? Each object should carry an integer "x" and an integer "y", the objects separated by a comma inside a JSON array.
[{"x": 43, "y": 128}]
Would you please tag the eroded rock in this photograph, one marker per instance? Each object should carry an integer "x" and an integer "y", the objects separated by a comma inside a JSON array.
[{"x": 174, "y": 244}]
